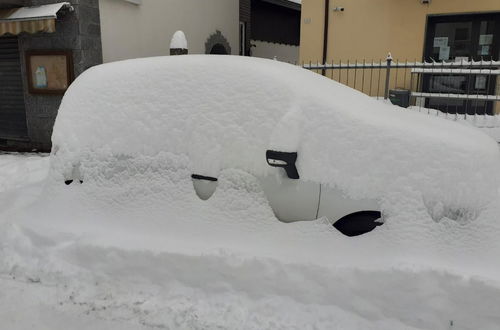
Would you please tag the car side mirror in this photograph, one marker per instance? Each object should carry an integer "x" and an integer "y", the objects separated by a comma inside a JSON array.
[
  {"x": 204, "y": 186},
  {"x": 285, "y": 160}
]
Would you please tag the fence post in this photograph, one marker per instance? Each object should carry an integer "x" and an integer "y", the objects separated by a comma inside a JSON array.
[{"x": 387, "y": 76}]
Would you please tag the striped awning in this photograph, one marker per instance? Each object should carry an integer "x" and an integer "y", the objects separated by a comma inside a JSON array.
[{"x": 30, "y": 19}]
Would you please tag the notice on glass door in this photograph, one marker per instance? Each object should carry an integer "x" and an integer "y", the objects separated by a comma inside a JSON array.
[
  {"x": 485, "y": 50},
  {"x": 480, "y": 82},
  {"x": 444, "y": 53},
  {"x": 485, "y": 39},
  {"x": 440, "y": 42}
]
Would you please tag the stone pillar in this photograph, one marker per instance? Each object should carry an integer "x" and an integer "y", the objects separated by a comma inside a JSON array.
[{"x": 78, "y": 31}]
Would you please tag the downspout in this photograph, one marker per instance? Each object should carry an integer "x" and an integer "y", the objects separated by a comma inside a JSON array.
[{"x": 325, "y": 35}]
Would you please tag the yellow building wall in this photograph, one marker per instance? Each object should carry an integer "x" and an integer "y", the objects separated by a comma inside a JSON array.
[
  {"x": 311, "y": 30},
  {"x": 369, "y": 29}
]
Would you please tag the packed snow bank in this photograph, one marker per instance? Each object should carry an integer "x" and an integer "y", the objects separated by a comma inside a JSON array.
[
  {"x": 136, "y": 248},
  {"x": 115, "y": 289},
  {"x": 142, "y": 250},
  {"x": 19, "y": 169},
  {"x": 225, "y": 112},
  {"x": 133, "y": 206},
  {"x": 21, "y": 178}
]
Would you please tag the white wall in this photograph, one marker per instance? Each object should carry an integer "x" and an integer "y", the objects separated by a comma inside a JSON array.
[
  {"x": 130, "y": 31},
  {"x": 285, "y": 53}
]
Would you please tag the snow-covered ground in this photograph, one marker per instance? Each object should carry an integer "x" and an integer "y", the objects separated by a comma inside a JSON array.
[
  {"x": 124, "y": 276},
  {"x": 133, "y": 247}
]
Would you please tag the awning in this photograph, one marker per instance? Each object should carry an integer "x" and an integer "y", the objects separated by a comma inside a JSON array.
[{"x": 31, "y": 19}]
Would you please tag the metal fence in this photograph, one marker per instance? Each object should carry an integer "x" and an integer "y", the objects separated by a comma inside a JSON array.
[{"x": 459, "y": 87}]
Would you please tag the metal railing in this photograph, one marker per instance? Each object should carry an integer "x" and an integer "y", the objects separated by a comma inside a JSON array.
[{"x": 446, "y": 86}]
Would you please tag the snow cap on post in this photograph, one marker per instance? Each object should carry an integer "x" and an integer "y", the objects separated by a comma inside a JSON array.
[{"x": 178, "y": 44}]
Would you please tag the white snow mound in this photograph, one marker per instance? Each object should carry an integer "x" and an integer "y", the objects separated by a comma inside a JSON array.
[{"x": 224, "y": 112}]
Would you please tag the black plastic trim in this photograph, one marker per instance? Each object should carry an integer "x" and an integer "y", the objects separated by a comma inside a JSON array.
[
  {"x": 203, "y": 177},
  {"x": 289, "y": 158},
  {"x": 358, "y": 223}
]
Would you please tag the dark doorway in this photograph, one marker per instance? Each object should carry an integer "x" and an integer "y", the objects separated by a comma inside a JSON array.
[
  {"x": 12, "y": 110},
  {"x": 218, "y": 49},
  {"x": 461, "y": 39}
]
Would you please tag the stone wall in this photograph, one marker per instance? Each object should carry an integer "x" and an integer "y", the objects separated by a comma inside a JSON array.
[{"x": 78, "y": 31}]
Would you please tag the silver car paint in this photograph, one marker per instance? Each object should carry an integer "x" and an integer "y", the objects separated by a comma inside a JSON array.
[{"x": 299, "y": 200}]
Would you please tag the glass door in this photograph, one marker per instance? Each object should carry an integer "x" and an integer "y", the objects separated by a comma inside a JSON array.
[{"x": 461, "y": 39}]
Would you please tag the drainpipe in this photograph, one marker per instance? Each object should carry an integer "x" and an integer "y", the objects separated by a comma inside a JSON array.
[{"x": 325, "y": 34}]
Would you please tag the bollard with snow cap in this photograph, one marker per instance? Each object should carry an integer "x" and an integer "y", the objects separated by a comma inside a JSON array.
[{"x": 178, "y": 44}]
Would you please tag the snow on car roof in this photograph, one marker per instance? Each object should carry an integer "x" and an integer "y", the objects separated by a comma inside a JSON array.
[{"x": 226, "y": 111}]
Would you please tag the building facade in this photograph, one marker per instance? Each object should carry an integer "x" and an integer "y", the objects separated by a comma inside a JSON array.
[
  {"x": 45, "y": 44},
  {"x": 367, "y": 29},
  {"x": 342, "y": 31},
  {"x": 275, "y": 29},
  {"x": 27, "y": 114},
  {"x": 206, "y": 24}
]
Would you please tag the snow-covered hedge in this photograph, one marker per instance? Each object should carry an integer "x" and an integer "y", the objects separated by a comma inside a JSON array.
[{"x": 225, "y": 112}]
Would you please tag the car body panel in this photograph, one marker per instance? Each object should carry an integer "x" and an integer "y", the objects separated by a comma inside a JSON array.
[
  {"x": 335, "y": 204},
  {"x": 291, "y": 200}
]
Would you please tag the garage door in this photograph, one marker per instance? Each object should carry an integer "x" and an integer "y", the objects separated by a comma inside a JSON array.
[{"x": 12, "y": 111}]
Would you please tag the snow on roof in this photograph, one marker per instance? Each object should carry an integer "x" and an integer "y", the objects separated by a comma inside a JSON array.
[
  {"x": 225, "y": 112},
  {"x": 35, "y": 12},
  {"x": 179, "y": 41}
]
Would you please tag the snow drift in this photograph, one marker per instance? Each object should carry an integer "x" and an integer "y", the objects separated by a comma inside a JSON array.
[
  {"x": 135, "y": 246},
  {"x": 225, "y": 112},
  {"x": 140, "y": 250}
]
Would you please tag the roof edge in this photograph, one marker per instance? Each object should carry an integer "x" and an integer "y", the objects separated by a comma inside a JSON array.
[{"x": 285, "y": 3}]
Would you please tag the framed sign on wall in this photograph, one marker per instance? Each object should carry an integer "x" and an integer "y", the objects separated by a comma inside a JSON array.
[{"x": 49, "y": 71}]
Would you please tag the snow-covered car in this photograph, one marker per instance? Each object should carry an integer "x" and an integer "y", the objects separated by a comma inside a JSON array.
[{"x": 318, "y": 148}]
